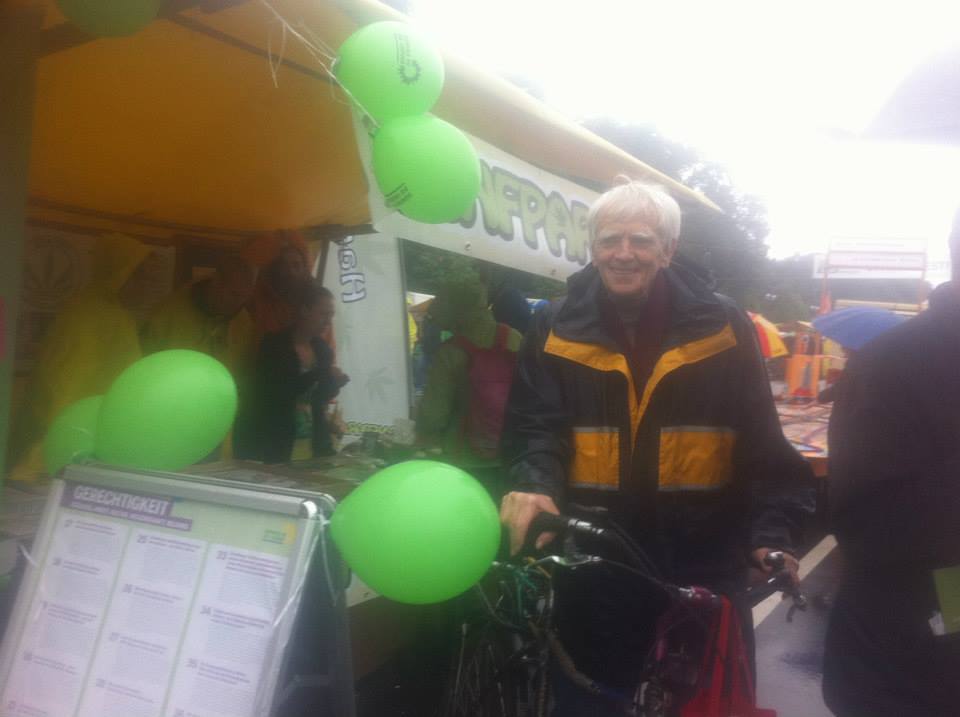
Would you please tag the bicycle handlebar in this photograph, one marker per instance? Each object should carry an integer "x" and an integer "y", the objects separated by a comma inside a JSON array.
[
  {"x": 564, "y": 525},
  {"x": 561, "y": 524}
]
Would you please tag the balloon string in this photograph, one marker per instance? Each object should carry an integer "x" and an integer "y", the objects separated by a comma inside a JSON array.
[
  {"x": 321, "y": 539},
  {"x": 275, "y": 66},
  {"x": 320, "y": 51},
  {"x": 319, "y": 45},
  {"x": 26, "y": 554}
]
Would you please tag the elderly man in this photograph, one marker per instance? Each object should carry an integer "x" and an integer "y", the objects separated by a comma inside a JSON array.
[
  {"x": 645, "y": 393},
  {"x": 893, "y": 645}
]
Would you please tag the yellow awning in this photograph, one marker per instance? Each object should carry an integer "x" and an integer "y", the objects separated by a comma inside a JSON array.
[{"x": 181, "y": 129}]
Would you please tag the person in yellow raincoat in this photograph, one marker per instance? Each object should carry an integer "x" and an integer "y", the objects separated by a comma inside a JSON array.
[
  {"x": 90, "y": 343},
  {"x": 210, "y": 316}
]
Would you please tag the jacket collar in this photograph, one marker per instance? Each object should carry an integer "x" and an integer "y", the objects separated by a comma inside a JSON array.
[{"x": 695, "y": 312}]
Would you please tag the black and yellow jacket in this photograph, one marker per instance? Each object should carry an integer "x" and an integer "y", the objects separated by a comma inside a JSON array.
[{"x": 694, "y": 465}]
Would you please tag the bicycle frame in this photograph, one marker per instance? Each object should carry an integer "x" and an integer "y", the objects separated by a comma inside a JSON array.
[{"x": 517, "y": 602}]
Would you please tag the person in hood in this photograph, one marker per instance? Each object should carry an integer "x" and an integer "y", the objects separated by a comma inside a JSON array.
[
  {"x": 460, "y": 307},
  {"x": 92, "y": 340},
  {"x": 893, "y": 641},
  {"x": 644, "y": 393},
  {"x": 284, "y": 265}
]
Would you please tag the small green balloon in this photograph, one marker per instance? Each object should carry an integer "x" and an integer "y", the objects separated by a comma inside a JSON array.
[
  {"x": 390, "y": 70},
  {"x": 166, "y": 411},
  {"x": 110, "y": 18},
  {"x": 426, "y": 168},
  {"x": 418, "y": 532},
  {"x": 72, "y": 435}
]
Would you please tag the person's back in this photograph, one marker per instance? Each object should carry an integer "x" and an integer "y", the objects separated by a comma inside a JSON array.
[
  {"x": 89, "y": 344},
  {"x": 895, "y": 498}
]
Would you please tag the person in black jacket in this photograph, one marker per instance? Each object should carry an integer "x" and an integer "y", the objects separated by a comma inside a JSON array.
[
  {"x": 645, "y": 393},
  {"x": 294, "y": 379},
  {"x": 895, "y": 503}
]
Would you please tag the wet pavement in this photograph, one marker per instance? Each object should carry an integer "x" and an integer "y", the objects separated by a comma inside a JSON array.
[{"x": 790, "y": 654}]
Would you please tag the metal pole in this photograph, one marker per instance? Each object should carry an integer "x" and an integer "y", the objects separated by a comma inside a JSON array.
[{"x": 19, "y": 28}]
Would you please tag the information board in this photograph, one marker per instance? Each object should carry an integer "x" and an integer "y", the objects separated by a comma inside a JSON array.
[{"x": 153, "y": 596}]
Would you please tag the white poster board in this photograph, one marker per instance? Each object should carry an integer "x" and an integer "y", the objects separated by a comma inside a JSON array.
[
  {"x": 524, "y": 218},
  {"x": 365, "y": 274},
  {"x": 155, "y": 597}
]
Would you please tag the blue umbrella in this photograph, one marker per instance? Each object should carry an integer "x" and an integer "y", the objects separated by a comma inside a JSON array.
[{"x": 855, "y": 327}]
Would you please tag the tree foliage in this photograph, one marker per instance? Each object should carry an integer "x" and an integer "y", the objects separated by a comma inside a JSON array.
[{"x": 730, "y": 246}]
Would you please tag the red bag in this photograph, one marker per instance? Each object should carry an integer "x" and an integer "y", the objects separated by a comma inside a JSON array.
[
  {"x": 726, "y": 688},
  {"x": 490, "y": 376}
]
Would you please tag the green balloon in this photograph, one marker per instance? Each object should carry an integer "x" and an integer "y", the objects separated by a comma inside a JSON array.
[
  {"x": 110, "y": 18},
  {"x": 418, "y": 532},
  {"x": 72, "y": 434},
  {"x": 390, "y": 70},
  {"x": 426, "y": 168},
  {"x": 166, "y": 411}
]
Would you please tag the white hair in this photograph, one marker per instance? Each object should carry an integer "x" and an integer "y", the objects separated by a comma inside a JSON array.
[{"x": 635, "y": 200}]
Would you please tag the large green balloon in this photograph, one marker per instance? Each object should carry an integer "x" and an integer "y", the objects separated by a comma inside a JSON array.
[
  {"x": 110, "y": 18},
  {"x": 418, "y": 532},
  {"x": 390, "y": 70},
  {"x": 72, "y": 435},
  {"x": 426, "y": 168},
  {"x": 166, "y": 411}
]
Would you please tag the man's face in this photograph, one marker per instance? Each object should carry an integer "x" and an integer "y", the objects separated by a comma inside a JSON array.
[
  {"x": 292, "y": 266},
  {"x": 628, "y": 256},
  {"x": 229, "y": 294},
  {"x": 320, "y": 317}
]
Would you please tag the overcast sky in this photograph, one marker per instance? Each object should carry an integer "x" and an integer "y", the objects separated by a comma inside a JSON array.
[{"x": 763, "y": 86}]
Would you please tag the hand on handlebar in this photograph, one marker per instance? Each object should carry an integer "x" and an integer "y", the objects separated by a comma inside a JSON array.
[
  {"x": 769, "y": 561},
  {"x": 517, "y": 510}
]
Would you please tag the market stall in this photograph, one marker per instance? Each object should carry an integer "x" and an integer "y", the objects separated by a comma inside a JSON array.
[{"x": 212, "y": 125}]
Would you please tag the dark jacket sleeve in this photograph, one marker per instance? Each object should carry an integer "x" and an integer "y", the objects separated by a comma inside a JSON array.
[
  {"x": 895, "y": 497},
  {"x": 326, "y": 389},
  {"x": 536, "y": 435},
  {"x": 277, "y": 383},
  {"x": 779, "y": 483}
]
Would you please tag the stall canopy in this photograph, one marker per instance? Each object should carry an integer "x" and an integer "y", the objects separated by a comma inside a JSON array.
[
  {"x": 184, "y": 128},
  {"x": 212, "y": 125}
]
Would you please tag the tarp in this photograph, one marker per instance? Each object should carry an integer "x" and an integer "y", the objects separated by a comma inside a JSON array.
[{"x": 180, "y": 128}]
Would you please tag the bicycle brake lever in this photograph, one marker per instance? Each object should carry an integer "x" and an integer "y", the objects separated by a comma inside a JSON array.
[
  {"x": 574, "y": 561},
  {"x": 799, "y": 601},
  {"x": 589, "y": 509}
]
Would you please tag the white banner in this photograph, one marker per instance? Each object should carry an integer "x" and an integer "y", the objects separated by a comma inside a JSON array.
[
  {"x": 524, "y": 218},
  {"x": 873, "y": 258},
  {"x": 365, "y": 275},
  {"x": 865, "y": 265}
]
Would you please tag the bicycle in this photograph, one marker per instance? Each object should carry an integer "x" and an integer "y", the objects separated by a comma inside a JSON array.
[{"x": 508, "y": 643}]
